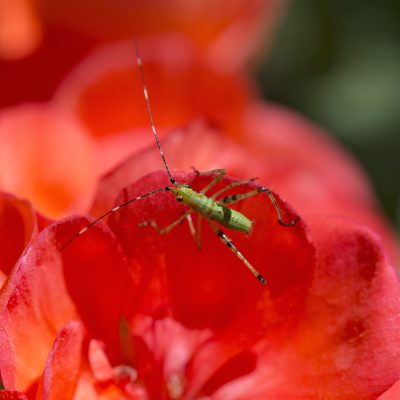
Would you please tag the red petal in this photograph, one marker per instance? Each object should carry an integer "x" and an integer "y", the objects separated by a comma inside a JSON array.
[
  {"x": 107, "y": 93},
  {"x": 296, "y": 146},
  {"x": 203, "y": 286},
  {"x": 18, "y": 224},
  {"x": 392, "y": 394},
  {"x": 34, "y": 305},
  {"x": 98, "y": 361},
  {"x": 43, "y": 141},
  {"x": 97, "y": 280},
  {"x": 308, "y": 167},
  {"x": 347, "y": 347},
  {"x": 12, "y": 395},
  {"x": 43, "y": 294},
  {"x": 62, "y": 368},
  {"x": 357, "y": 295},
  {"x": 216, "y": 364},
  {"x": 7, "y": 361}
]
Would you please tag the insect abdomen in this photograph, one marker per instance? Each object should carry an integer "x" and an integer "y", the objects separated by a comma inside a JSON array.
[{"x": 233, "y": 219}]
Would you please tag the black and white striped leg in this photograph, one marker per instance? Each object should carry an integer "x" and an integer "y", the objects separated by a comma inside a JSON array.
[
  {"x": 225, "y": 239},
  {"x": 238, "y": 197},
  {"x": 113, "y": 210}
]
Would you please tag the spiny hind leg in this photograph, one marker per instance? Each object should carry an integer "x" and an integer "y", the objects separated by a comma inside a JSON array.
[
  {"x": 238, "y": 197},
  {"x": 226, "y": 240},
  {"x": 220, "y": 173}
]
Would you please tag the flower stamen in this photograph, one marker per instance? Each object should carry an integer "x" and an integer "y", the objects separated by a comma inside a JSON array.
[{"x": 176, "y": 385}]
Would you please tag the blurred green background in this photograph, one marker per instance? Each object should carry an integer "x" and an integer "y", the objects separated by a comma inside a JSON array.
[{"x": 338, "y": 63}]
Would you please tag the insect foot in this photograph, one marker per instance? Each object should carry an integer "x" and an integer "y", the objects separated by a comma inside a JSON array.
[
  {"x": 289, "y": 224},
  {"x": 270, "y": 195}
]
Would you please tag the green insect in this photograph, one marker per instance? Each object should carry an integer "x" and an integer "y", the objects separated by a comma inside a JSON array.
[{"x": 214, "y": 211}]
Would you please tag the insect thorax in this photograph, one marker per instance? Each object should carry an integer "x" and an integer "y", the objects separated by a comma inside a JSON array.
[{"x": 212, "y": 209}]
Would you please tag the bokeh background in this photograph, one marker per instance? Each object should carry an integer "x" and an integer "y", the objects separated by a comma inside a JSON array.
[
  {"x": 335, "y": 61},
  {"x": 338, "y": 63}
]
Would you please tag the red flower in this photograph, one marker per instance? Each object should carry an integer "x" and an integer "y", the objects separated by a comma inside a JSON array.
[
  {"x": 123, "y": 312},
  {"x": 163, "y": 320}
]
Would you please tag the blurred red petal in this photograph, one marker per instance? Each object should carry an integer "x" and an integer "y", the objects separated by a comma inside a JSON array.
[
  {"x": 36, "y": 77},
  {"x": 228, "y": 32},
  {"x": 98, "y": 361},
  {"x": 293, "y": 145},
  {"x": 20, "y": 30},
  {"x": 18, "y": 224},
  {"x": 217, "y": 363},
  {"x": 308, "y": 167},
  {"x": 106, "y": 90},
  {"x": 235, "y": 367},
  {"x": 47, "y": 157},
  {"x": 34, "y": 304},
  {"x": 12, "y": 395},
  {"x": 7, "y": 361},
  {"x": 62, "y": 368}
]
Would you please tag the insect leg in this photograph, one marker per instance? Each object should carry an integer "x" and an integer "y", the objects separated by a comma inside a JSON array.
[
  {"x": 198, "y": 233},
  {"x": 232, "y": 185},
  {"x": 225, "y": 239},
  {"x": 116, "y": 208},
  {"x": 220, "y": 174},
  {"x": 238, "y": 197},
  {"x": 169, "y": 227},
  {"x": 195, "y": 235}
]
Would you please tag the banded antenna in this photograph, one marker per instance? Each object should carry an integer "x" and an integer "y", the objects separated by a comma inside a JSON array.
[{"x": 149, "y": 112}]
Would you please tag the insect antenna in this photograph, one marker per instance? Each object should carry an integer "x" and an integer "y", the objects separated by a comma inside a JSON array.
[
  {"x": 153, "y": 128},
  {"x": 113, "y": 210},
  {"x": 149, "y": 112}
]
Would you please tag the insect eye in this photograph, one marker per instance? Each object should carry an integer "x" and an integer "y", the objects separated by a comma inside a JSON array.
[
  {"x": 179, "y": 198},
  {"x": 187, "y": 186}
]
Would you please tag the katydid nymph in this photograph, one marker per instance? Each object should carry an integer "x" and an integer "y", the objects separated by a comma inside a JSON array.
[{"x": 214, "y": 208}]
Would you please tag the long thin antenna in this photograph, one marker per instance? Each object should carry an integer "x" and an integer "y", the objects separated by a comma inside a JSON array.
[
  {"x": 113, "y": 210},
  {"x": 149, "y": 113}
]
